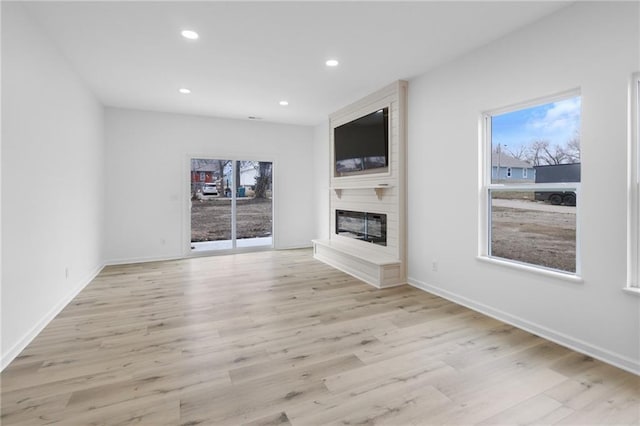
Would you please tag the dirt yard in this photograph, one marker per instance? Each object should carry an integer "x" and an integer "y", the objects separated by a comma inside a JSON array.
[
  {"x": 525, "y": 231},
  {"x": 211, "y": 219},
  {"x": 533, "y": 234}
]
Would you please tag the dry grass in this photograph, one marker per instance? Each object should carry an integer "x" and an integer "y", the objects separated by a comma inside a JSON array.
[{"x": 536, "y": 237}]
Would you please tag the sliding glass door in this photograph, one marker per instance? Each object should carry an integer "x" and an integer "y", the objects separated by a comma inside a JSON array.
[{"x": 231, "y": 204}]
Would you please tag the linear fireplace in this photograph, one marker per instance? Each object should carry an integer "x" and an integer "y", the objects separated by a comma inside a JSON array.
[{"x": 370, "y": 227}]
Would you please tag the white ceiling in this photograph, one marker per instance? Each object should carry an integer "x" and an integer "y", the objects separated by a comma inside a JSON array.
[{"x": 251, "y": 55}]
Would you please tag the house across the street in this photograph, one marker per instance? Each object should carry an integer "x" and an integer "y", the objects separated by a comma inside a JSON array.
[{"x": 504, "y": 166}]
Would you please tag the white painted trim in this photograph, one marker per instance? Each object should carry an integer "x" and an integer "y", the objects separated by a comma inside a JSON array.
[
  {"x": 632, "y": 290},
  {"x": 131, "y": 260},
  {"x": 484, "y": 175},
  {"x": 572, "y": 186},
  {"x": 224, "y": 252},
  {"x": 295, "y": 247},
  {"x": 571, "y": 93},
  {"x": 235, "y": 171},
  {"x": 15, "y": 350},
  {"x": 620, "y": 361},
  {"x": 566, "y": 276},
  {"x": 633, "y": 177}
]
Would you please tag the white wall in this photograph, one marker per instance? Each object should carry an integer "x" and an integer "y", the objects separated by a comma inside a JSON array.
[
  {"x": 321, "y": 175},
  {"x": 593, "y": 46},
  {"x": 52, "y": 181},
  {"x": 52, "y": 135},
  {"x": 148, "y": 187}
]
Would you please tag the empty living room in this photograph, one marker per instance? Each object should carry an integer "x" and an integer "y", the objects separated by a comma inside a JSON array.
[{"x": 320, "y": 212}]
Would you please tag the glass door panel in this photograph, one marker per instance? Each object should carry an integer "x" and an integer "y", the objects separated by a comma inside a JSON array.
[
  {"x": 254, "y": 203},
  {"x": 211, "y": 204}
]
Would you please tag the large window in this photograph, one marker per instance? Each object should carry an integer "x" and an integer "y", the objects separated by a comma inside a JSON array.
[
  {"x": 531, "y": 184},
  {"x": 633, "y": 260}
]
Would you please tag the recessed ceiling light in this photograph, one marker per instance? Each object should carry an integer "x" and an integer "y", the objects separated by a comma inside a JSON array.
[
  {"x": 184, "y": 91},
  {"x": 191, "y": 35},
  {"x": 284, "y": 103},
  {"x": 332, "y": 63}
]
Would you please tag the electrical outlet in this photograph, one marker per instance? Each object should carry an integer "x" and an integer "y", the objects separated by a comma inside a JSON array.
[{"x": 434, "y": 266}]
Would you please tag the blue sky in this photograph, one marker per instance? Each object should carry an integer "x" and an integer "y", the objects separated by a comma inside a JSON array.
[{"x": 556, "y": 122}]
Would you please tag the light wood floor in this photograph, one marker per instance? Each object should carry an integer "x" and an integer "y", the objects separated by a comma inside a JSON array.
[{"x": 278, "y": 338}]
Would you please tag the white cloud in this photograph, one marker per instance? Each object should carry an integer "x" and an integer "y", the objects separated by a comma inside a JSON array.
[{"x": 563, "y": 116}]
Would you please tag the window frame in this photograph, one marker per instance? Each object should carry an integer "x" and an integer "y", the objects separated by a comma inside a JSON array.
[
  {"x": 486, "y": 186},
  {"x": 525, "y": 173},
  {"x": 633, "y": 173}
]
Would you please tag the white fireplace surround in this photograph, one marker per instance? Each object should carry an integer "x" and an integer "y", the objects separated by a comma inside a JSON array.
[{"x": 383, "y": 193}]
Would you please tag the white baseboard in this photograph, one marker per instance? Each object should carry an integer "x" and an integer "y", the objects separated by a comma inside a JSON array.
[
  {"x": 620, "y": 361},
  {"x": 114, "y": 262},
  {"x": 127, "y": 261},
  {"x": 15, "y": 350},
  {"x": 294, "y": 247}
]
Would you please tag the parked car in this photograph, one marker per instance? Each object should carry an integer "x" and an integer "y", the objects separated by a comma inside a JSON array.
[{"x": 210, "y": 189}]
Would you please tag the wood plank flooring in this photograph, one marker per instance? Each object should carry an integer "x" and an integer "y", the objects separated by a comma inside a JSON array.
[{"x": 278, "y": 338}]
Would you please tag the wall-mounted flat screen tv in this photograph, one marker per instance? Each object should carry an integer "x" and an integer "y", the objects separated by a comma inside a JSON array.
[{"x": 362, "y": 145}]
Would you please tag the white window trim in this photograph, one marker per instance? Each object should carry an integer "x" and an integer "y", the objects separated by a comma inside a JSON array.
[
  {"x": 633, "y": 173},
  {"x": 539, "y": 270},
  {"x": 524, "y": 173},
  {"x": 485, "y": 188}
]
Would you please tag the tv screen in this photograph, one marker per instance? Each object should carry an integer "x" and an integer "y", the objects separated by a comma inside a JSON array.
[{"x": 362, "y": 144}]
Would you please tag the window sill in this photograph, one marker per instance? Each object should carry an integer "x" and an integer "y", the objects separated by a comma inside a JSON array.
[
  {"x": 533, "y": 269},
  {"x": 632, "y": 290}
]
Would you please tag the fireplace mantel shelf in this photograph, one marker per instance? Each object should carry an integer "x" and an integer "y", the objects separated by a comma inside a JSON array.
[{"x": 378, "y": 188}]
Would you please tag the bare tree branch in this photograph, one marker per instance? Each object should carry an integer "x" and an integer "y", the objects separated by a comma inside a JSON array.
[{"x": 520, "y": 153}]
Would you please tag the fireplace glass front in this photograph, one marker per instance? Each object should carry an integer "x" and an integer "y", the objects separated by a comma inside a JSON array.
[{"x": 364, "y": 226}]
